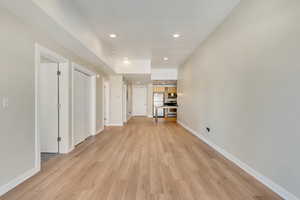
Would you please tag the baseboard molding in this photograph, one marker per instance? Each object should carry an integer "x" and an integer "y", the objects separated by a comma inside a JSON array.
[
  {"x": 117, "y": 124},
  {"x": 99, "y": 131},
  {"x": 136, "y": 115},
  {"x": 263, "y": 179},
  {"x": 71, "y": 149},
  {"x": 150, "y": 116},
  {"x": 130, "y": 116},
  {"x": 12, "y": 184}
]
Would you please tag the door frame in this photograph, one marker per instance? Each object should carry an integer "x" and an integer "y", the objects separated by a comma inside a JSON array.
[
  {"x": 124, "y": 102},
  {"x": 146, "y": 89},
  {"x": 106, "y": 100},
  {"x": 93, "y": 80},
  {"x": 41, "y": 51}
]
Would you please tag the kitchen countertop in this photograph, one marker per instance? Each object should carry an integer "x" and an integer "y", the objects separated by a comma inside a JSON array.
[{"x": 164, "y": 107}]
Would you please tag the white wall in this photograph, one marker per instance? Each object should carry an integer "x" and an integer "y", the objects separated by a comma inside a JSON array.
[
  {"x": 99, "y": 103},
  {"x": 243, "y": 82},
  {"x": 116, "y": 91},
  {"x": 17, "y": 84}
]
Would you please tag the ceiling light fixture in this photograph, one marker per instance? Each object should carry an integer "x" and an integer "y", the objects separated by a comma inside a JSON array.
[
  {"x": 176, "y": 35},
  {"x": 166, "y": 58},
  {"x": 126, "y": 61},
  {"x": 112, "y": 35}
]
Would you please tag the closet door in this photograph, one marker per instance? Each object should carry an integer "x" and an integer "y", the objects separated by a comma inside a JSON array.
[
  {"x": 48, "y": 107},
  {"x": 81, "y": 107},
  {"x": 139, "y": 101}
]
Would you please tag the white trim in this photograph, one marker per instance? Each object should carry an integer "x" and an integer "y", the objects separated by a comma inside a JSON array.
[
  {"x": 18, "y": 180},
  {"x": 49, "y": 54},
  {"x": 141, "y": 115},
  {"x": 115, "y": 124},
  {"x": 130, "y": 116},
  {"x": 71, "y": 149},
  {"x": 263, "y": 179},
  {"x": 150, "y": 116},
  {"x": 83, "y": 69},
  {"x": 106, "y": 102},
  {"x": 124, "y": 103},
  {"x": 93, "y": 104},
  {"x": 72, "y": 145},
  {"x": 37, "y": 147},
  {"x": 65, "y": 107},
  {"x": 41, "y": 51},
  {"x": 99, "y": 131},
  {"x": 103, "y": 101}
]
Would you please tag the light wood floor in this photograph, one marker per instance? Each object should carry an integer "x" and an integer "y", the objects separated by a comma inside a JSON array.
[{"x": 141, "y": 161}]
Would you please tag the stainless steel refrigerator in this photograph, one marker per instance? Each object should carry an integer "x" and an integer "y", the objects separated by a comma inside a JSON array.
[{"x": 158, "y": 100}]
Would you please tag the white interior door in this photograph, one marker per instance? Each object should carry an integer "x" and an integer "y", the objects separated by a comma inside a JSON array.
[
  {"x": 82, "y": 105},
  {"x": 48, "y": 107},
  {"x": 139, "y": 101}
]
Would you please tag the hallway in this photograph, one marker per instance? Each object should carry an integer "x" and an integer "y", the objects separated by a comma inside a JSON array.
[{"x": 143, "y": 161}]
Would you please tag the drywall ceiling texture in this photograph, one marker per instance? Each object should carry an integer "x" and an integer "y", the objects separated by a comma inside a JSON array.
[
  {"x": 145, "y": 28},
  {"x": 243, "y": 83}
]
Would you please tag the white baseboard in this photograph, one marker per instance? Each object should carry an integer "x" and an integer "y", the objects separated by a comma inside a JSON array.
[
  {"x": 150, "y": 116},
  {"x": 263, "y": 179},
  {"x": 7, "y": 187},
  {"x": 115, "y": 124},
  {"x": 130, "y": 116},
  {"x": 99, "y": 131},
  {"x": 71, "y": 149}
]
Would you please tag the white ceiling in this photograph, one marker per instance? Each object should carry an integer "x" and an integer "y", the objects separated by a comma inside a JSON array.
[{"x": 145, "y": 27}]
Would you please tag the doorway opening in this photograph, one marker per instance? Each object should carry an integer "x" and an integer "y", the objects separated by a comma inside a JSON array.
[{"x": 50, "y": 89}]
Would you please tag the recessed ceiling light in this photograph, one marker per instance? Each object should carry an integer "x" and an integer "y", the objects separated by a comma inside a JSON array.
[
  {"x": 126, "y": 62},
  {"x": 166, "y": 58},
  {"x": 112, "y": 35},
  {"x": 176, "y": 35}
]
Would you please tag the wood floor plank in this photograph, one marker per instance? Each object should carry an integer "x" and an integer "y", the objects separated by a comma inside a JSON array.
[{"x": 141, "y": 161}]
